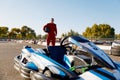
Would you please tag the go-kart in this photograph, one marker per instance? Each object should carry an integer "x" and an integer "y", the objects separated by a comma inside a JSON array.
[{"x": 76, "y": 58}]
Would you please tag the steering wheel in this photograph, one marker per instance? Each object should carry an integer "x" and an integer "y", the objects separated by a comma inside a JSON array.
[
  {"x": 66, "y": 44},
  {"x": 63, "y": 40}
]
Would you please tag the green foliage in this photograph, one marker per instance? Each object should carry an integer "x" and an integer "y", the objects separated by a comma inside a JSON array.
[
  {"x": 117, "y": 36},
  {"x": 3, "y": 32},
  {"x": 16, "y": 33},
  {"x": 39, "y": 36},
  {"x": 44, "y": 36},
  {"x": 70, "y": 33},
  {"x": 28, "y": 33},
  {"x": 99, "y": 31},
  {"x": 25, "y": 32}
]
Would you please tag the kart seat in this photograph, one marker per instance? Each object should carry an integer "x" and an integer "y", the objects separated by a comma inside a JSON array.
[{"x": 57, "y": 53}]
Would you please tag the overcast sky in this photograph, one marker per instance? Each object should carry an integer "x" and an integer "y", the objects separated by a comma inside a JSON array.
[{"x": 68, "y": 14}]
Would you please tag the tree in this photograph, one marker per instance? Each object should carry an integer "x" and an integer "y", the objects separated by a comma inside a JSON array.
[
  {"x": 24, "y": 30},
  {"x": 3, "y": 32},
  {"x": 44, "y": 36},
  {"x": 28, "y": 33},
  {"x": 63, "y": 35},
  {"x": 99, "y": 31},
  {"x": 70, "y": 33},
  {"x": 117, "y": 36},
  {"x": 88, "y": 30},
  {"x": 95, "y": 31},
  {"x": 15, "y": 33},
  {"x": 39, "y": 36}
]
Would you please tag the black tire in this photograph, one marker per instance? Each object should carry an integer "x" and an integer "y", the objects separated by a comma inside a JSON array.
[
  {"x": 115, "y": 50},
  {"x": 116, "y": 47}
]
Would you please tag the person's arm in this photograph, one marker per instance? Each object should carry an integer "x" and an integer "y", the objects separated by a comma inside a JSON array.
[
  {"x": 55, "y": 29},
  {"x": 44, "y": 27}
]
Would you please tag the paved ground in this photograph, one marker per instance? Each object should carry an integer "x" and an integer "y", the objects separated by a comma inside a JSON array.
[{"x": 8, "y": 51}]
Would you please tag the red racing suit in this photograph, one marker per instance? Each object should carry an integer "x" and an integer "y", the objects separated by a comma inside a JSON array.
[{"x": 51, "y": 37}]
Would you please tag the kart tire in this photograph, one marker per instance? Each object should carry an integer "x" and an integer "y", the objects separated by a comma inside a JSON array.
[{"x": 115, "y": 51}]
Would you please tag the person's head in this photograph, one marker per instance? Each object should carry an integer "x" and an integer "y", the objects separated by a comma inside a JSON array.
[{"x": 52, "y": 20}]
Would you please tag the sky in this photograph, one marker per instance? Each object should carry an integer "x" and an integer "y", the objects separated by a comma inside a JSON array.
[{"x": 68, "y": 14}]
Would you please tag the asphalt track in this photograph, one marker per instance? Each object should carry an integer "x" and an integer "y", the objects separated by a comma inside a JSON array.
[{"x": 8, "y": 50}]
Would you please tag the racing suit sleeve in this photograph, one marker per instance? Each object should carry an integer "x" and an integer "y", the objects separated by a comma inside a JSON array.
[
  {"x": 55, "y": 30},
  {"x": 44, "y": 27}
]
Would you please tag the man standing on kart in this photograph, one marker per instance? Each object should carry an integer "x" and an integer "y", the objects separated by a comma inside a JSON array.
[{"x": 51, "y": 29}]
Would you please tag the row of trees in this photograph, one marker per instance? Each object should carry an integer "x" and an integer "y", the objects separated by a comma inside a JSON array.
[
  {"x": 95, "y": 32},
  {"x": 99, "y": 31},
  {"x": 17, "y": 33},
  {"x": 117, "y": 36}
]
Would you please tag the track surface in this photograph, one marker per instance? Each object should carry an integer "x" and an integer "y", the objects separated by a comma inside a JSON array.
[{"x": 8, "y": 50}]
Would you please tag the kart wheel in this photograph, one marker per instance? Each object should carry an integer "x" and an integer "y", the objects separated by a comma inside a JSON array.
[
  {"x": 47, "y": 73},
  {"x": 115, "y": 50}
]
